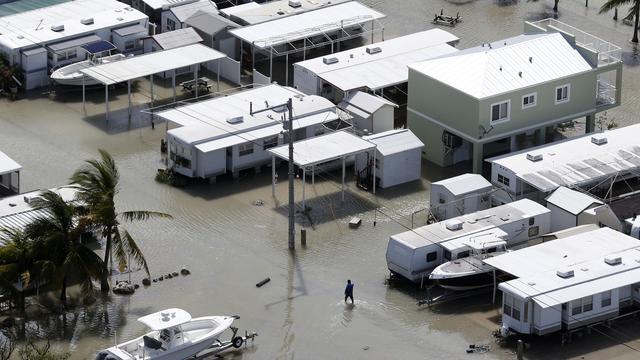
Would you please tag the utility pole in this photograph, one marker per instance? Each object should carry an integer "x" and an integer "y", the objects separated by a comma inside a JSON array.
[
  {"x": 292, "y": 230},
  {"x": 289, "y": 127}
]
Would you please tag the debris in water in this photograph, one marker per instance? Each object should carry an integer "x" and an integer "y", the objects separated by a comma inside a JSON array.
[
  {"x": 184, "y": 271},
  {"x": 146, "y": 282},
  {"x": 365, "y": 348},
  {"x": 258, "y": 202},
  {"x": 263, "y": 282}
]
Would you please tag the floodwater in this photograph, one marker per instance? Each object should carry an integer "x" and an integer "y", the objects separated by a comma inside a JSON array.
[{"x": 230, "y": 244}]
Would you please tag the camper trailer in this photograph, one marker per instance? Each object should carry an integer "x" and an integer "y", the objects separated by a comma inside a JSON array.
[{"x": 414, "y": 254}]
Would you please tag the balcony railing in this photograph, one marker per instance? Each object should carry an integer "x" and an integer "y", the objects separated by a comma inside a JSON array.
[
  {"x": 606, "y": 94},
  {"x": 607, "y": 52}
]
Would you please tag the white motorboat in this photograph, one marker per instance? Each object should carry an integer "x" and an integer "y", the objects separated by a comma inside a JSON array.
[
  {"x": 71, "y": 75},
  {"x": 174, "y": 335},
  {"x": 469, "y": 272}
]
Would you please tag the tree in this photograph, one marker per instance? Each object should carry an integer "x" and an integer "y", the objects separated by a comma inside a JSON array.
[
  {"x": 555, "y": 6},
  {"x": 58, "y": 233},
  {"x": 634, "y": 11},
  {"x": 97, "y": 183}
]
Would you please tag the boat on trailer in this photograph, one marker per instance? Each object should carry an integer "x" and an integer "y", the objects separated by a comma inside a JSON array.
[
  {"x": 175, "y": 335},
  {"x": 99, "y": 52},
  {"x": 470, "y": 272}
]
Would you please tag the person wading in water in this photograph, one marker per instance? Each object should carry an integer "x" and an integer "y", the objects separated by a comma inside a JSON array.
[{"x": 348, "y": 291}]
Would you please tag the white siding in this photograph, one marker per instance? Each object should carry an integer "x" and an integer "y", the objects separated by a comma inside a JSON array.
[
  {"x": 212, "y": 163},
  {"x": 561, "y": 219},
  {"x": 399, "y": 168},
  {"x": 305, "y": 81}
]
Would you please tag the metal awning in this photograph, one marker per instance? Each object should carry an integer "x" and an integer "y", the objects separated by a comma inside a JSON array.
[{"x": 97, "y": 47}]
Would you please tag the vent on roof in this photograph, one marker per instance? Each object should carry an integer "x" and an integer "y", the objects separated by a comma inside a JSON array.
[
  {"x": 57, "y": 28},
  {"x": 27, "y": 198},
  {"x": 235, "y": 120},
  {"x": 373, "y": 50},
  {"x": 599, "y": 139},
  {"x": 613, "y": 260},
  {"x": 565, "y": 273},
  {"x": 295, "y": 3},
  {"x": 534, "y": 157},
  {"x": 86, "y": 21},
  {"x": 329, "y": 60},
  {"x": 453, "y": 225}
]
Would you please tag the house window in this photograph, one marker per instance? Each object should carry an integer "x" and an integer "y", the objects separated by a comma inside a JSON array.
[
  {"x": 511, "y": 306},
  {"x": 319, "y": 131},
  {"x": 532, "y": 221},
  {"x": 432, "y": 256},
  {"x": 500, "y": 112},
  {"x": 503, "y": 180},
  {"x": 442, "y": 199},
  {"x": 605, "y": 298},
  {"x": 529, "y": 100},
  {"x": 577, "y": 307},
  {"x": 506, "y": 308},
  {"x": 582, "y": 305},
  {"x": 171, "y": 25},
  {"x": 447, "y": 255},
  {"x": 463, "y": 254},
  {"x": 245, "y": 149},
  {"x": 563, "y": 93},
  {"x": 270, "y": 142},
  {"x": 534, "y": 231},
  {"x": 72, "y": 54},
  {"x": 129, "y": 45}
]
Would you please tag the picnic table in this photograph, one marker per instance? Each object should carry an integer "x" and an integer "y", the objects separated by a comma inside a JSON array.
[{"x": 189, "y": 85}]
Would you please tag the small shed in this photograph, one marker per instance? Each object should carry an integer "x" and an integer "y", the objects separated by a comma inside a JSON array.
[
  {"x": 568, "y": 207},
  {"x": 459, "y": 195},
  {"x": 398, "y": 157},
  {"x": 371, "y": 114},
  {"x": 128, "y": 39}
]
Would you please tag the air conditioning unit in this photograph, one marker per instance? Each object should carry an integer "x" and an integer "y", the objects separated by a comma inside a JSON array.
[
  {"x": 613, "y": 260},
  {"x": 453, "y": 225},
  {"x": 329, "y": 60},
  {"x": 57, "y": 28},
  {"x": 295, "y": 3},
  {"x": 451, "y": 140},
  {"x": 235, "y": 120},
  {"x": 565, "y": 273},
  {"x": 599, "y": 139},
  {"x": 373, "y": 50},
  {"x": 534, "y": 157},
  {"x": 86, "y": 21}
]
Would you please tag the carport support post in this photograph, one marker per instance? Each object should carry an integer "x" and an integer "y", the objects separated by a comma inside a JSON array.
[
  {"x": 106, "y": 102},
  {"x": 218, "y": 77},
  {"x": 292, "y": 229},
  {"x": 83, "y": 95},
  {"x": 271, "y": 64},
  {"x": 286, "y": 70},
  {"x": 313, "y": 174},
  {"x": 195, "y": 79},
  {"x": 173, "y": 83},
  {"x": 273, "y": 176},
  {"x": 373, "y": 28},
  {"x": 343, "y": 172},
  {"x": 151, "y": 89},
  {"x": 374, "y": 169},
  {"x": 304, "y": 180},
  {"x": 494, "y": 286},
  {"x": 129, "y": 97}
]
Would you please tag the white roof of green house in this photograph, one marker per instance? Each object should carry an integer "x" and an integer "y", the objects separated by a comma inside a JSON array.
[
  {"x": 506, "y": 65},
  {"x": 386, "y": 65},
  {"x": 36, "y": 27},
  {"x": 576, "y": 161}
]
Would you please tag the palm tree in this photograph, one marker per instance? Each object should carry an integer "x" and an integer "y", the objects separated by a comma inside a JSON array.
[
  {"x": 58, "y": 233},
  {"x": 18, "y": 263},
  {"x": 634, "y": 11},
  {"x": 97, "y": 183}
]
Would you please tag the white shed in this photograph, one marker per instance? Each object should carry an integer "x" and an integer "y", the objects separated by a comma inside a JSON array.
[
  {"x": 459, "y": 195},
  {"x": 567, "y": 206},
  {"x": 9, "y": 175},
  {"x": 398, "y": 157},
  {"x": 371, "y": 114}
]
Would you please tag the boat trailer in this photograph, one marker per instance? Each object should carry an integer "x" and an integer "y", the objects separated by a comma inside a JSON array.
[
  {"x": 236, "y": 342},
  {"x": 441, "y": 19}
]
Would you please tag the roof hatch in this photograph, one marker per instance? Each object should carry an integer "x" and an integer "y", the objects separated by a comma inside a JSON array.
[
  {"x": 534, "y": 157},
  {"x": 599, "y": 139},
  {"x": 565, "y": 273},
  {"x": 613, "y": 260}
]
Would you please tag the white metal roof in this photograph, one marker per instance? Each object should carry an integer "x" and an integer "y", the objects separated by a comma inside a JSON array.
[
  {"x": 15, "y": 212},
  {"x": 33, "y": 27},
  {"x": 183, "y": 12},
  {"x": 159, "y": 4},
  {"x": 205, "y": 123},
  {"x": 464, "y": 184},
  {"x": 572, "y": 201},
  {"x": 277, "y": 9},
  {"x": 524, "y": 61},
  {"x": 576, "y": 161},
  {"x": 590, "y": 277},
  {"x": 394, "y": 141},
  {"x": 177, "y": 38},
  {"x": 356, "y": 68},
  {"x": 7, "y": 164},
  {"x": 476, "y": 223},
  {"x": 131, "y": 29},
  {"x": 363, "y": 104},
  {"x": 323, "y": 148},
  {"x": 562, "y": 252},
  {"x": 210, "y": 23},
  {"x": 227, "y": 12},
  {"x": 165, "y": 319},
  {"x": 312, "y": 23},
  {"x": 152, "y": 63}
]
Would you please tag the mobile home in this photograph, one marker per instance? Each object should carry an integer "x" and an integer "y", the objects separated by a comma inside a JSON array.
[{"x": 414, "y": 254}]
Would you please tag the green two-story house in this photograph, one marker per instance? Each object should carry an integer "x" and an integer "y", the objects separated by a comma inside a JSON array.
[{"x": 508, "y": 95}]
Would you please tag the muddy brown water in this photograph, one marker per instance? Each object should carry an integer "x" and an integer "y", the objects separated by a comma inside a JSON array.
[{"x": 229, "y": 244}]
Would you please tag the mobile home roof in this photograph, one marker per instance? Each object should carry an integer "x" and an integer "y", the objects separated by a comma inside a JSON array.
[
  {"x": 276, "y": 9},
  {"x": 464, "y": 184},
  {"x": 394, "y": 141},
  {"x": 34, "y": 27},
  {"x": 576, "y": 160}
]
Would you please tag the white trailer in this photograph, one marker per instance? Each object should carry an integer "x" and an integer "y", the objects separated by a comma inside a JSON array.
[
  {"x": 459, "y": 195},
  {"x": 414, "y": 254}
]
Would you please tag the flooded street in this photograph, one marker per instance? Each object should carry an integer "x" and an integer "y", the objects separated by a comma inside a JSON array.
[{"x": 230, "y": 244}]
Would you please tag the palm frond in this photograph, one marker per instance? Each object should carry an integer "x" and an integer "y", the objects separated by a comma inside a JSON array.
[
  {"x": 142, "y": 215},
  {"x": 612, "y": 4},
  {"x": 133, "y": 250}
]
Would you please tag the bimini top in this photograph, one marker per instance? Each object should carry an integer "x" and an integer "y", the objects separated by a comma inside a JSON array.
[
  {"x": 576, "y": 161},
  {"x": 165, "y": 319},
  {"x": 309, "y": 24},
  {"x": 97, "y": 47}
]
